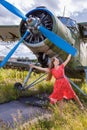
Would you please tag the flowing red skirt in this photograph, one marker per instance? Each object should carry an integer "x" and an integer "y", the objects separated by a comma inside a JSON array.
[{"x": 62, "y": 89}]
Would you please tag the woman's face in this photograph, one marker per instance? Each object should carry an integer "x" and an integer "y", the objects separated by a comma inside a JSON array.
[{"x": 56, "y": 61}]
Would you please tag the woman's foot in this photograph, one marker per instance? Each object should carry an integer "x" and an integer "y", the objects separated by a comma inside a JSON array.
[{"x": 82, "y": 107}]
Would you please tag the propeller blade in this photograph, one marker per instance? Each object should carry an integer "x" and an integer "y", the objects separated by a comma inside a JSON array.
[
  {"x": 13, "y": 49},
  {"x": 58, "y": 41},
  {"x": 13, "y": 9}
]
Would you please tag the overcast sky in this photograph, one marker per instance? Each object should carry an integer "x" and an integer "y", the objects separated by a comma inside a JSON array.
[
  {"x": 76, "y": 9},
  {"x": 6, "y": 47}
]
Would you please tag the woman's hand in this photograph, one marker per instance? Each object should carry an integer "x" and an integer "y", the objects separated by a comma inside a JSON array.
[
  {"x": 67, "y": 60},
  {"x": 31, "y": 65}
]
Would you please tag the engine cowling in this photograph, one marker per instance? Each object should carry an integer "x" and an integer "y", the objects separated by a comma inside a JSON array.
[{"x": 35, "y": 40}]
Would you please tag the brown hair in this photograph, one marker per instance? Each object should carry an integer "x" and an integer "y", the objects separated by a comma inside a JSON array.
[{"x": 51, "y": 65}]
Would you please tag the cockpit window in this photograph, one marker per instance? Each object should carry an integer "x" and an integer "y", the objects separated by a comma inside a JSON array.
[
  {"x": 70, "y": 23},
  {"x": 67, "y": 21}
]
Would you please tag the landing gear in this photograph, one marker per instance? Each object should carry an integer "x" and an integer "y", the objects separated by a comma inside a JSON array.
[
  {"x": 85, "y": 74},
  {"x": 18, "y": 86},
  {"x": 32, "y": 100}
]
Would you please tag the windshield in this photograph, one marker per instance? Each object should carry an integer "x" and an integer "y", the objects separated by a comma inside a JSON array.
[{"x": 68, "y": 22}]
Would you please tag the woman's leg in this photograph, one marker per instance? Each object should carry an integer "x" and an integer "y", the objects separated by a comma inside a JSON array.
[
  {"x": 61, "y": 104},
  {"x": 79, "y": 102}
]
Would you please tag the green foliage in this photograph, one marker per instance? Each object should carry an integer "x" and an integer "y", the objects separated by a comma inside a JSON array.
[
  {"x": 8, "y": 77},
  {"x": 45, "y": 87},
  {"x": 72, "y": 119}
]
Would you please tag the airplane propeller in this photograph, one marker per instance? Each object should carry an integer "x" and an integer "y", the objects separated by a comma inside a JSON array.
[
  {"x": 13, "y": 9},
  {"x": 36, "y": 25},
  {"x": 58, "y": 41},
  {"x": 13, "y": 50}
]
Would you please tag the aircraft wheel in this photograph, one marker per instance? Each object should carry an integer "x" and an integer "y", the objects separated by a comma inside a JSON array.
[{"x": 18, "y": 86}]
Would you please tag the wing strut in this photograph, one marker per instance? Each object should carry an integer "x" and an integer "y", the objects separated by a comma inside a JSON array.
[{"x": 76, "y": 86}]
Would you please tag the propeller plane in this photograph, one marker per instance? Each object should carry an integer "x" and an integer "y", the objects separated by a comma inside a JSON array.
[{"x": 46, "y": 36}]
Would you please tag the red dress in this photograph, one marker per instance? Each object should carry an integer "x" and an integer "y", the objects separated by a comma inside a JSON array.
[{"x": 62, "y": 87}]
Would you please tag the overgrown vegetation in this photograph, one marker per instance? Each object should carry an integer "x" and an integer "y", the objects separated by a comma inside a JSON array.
[
  {"x": 72, "y": 119},
  {"x": 9, "y": 77}
]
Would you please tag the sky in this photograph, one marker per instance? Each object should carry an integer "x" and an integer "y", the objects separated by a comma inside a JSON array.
[
  {"x": 76, "y": 9},
  {"x": 6, "y": 47}
]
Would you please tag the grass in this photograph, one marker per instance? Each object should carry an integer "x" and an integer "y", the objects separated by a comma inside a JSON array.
[
  {"x": 9, "y": 77},
  {"x": 73, "y": 118}
]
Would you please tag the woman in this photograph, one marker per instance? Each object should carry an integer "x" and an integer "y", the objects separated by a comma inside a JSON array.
[{"x": 62, "y": 87}]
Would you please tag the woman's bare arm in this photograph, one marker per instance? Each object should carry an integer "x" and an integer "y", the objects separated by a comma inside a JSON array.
[
  {"x": 67, "y": 60},
  {"x": 39, "y": 68}
]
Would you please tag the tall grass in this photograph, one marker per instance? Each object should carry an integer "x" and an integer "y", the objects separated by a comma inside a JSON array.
[
  {"x": 9, "y": 77},
  {"x": 72, "y": 119}
]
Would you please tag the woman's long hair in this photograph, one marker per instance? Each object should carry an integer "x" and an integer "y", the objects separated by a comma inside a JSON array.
[{"x": 51, "y": 65}]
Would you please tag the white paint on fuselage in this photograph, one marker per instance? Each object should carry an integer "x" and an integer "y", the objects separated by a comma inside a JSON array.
[{"x": 83, "y": 53}]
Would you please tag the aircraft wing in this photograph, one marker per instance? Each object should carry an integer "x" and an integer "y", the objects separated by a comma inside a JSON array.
[
  {"x": 20, "y": 65},
  {"x": 9, "y": 33}
]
